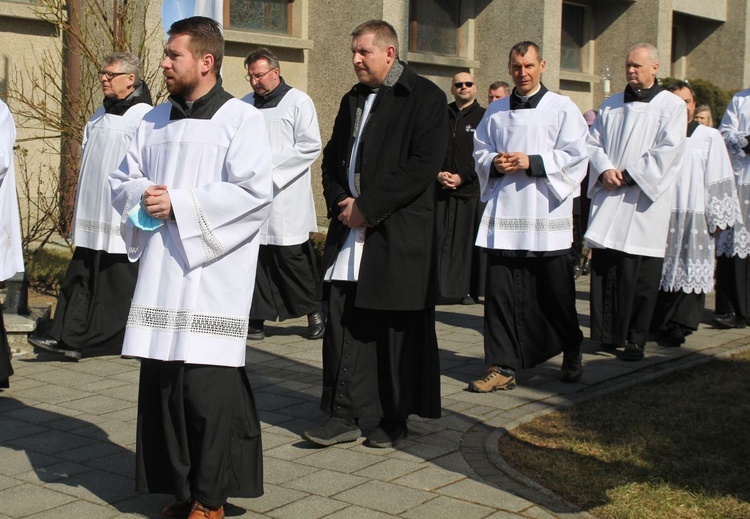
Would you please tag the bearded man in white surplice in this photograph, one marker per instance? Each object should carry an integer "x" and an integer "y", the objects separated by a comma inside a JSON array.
[{"x": 194, "y": 190}]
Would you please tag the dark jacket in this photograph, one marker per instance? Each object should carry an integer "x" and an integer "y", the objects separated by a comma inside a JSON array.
[
  {"x": 400, "y": 155},
  {"x": 459, "y": 156}
]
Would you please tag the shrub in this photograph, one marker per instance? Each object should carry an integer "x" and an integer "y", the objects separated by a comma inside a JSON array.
[
  {"x": 45, "y": 269},
  {"x": 707, "y": 93}
]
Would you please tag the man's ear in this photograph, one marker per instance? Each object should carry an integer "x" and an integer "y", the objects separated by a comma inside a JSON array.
[{"x": 207, "y": 63}]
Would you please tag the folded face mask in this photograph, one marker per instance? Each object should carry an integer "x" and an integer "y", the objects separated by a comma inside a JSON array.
[{"x": 143, "y": 220}]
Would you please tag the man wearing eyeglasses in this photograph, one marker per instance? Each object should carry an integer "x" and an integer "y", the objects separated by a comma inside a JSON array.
[
  {"x": 95, "y": 293},
  {"x": 460, "y": 263},
  {"x": 530, "y": 153},
  {"x": 286, "y": 283}
]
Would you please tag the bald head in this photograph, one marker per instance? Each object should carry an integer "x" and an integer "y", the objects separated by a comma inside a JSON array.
[{"x": 464, "y": 89}]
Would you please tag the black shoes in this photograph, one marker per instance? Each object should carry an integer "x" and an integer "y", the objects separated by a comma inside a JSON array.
[
  {"x": 316, "y": 325},
  {"x": 388, "y": 434},
  {"x": 572, "y": 367},
  {"x": 49, "y": 344},
  {"x": 727, "y": 321},
  {"x": 255, "y": 330},
  {"x": 336, "y": 430},
  {"x": 672, "y": 335},
  {"x": 633, "y": 352},
  {"x": 586, "y": 268}
]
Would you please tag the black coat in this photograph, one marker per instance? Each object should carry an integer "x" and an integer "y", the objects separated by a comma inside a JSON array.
[
  {"x": 459, "y": 154},
  {"x": 400, "y": 154}
]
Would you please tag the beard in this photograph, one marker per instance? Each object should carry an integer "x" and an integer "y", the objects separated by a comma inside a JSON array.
[{"x": 183, "y": 86}]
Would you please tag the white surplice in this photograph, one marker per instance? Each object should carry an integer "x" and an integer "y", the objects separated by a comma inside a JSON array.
[
  {"x": 96, "y": 224},
  {"x": 11, "y": 253},
  {"x": 735, "y": 128},
  {"x": 295, "y": 144},
  {"x": 523, "y": 212},
  {"x": 648, "y": 140},
  {"x": 705, "y": 200},
  {"x": 197, "y": 272}
]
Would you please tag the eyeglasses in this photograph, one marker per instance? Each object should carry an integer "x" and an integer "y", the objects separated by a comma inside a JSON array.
[
  {"x": 111, "y": 75},
  {"x": 258, "y": 77},
  {"x": 461, "y": 84}
]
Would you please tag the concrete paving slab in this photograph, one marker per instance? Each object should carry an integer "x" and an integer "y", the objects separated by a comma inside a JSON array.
[
  {"x": 325, "y": 483},
  {"x": 447, "y": 508},
  {"x": 385, "y": 497}
]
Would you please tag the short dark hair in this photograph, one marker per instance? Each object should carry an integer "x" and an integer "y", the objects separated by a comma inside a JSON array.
[
  {"x": 384, "y": 33},
  {"x": 205, "y": 38},
  {"x": 522, "y": 47},
  {"x": 680, "y": 85},
  {"x": 262, "y": 53}
]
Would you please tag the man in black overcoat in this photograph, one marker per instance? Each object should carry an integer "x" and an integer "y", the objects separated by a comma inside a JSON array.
[{"x": 380, "y": 354}]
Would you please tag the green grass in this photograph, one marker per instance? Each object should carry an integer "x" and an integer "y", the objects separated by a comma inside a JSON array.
[{"x": 674, "y": 448}]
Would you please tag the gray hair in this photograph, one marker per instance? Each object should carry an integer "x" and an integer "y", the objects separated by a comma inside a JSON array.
[
  {"x": 652, "y": 50},
  {"x": 262, "y": 53},
  {"x": 500, "y": 84},
  {"x": 129, "y": 63}
]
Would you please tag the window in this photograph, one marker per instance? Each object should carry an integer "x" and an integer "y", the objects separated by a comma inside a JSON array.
[
  {"x": 274, "y": 16},
  {"x": 573, "y": 37},
  {"x": 435, "y": 27}
]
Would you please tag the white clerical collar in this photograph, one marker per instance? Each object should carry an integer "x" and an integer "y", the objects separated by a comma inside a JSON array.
[{"x": 530, "y": 94}]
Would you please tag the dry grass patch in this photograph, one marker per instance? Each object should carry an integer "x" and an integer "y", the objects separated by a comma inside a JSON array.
[{"x": 674, "y": 448}]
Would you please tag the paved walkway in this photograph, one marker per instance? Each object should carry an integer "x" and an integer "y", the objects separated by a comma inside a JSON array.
[{"x": 67, "y": 432}]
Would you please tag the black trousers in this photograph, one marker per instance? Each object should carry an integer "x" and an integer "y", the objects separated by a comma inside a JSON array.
[
  {"x": 685, "y": 309},
  {"x": 6, "y": 369},
  {"x": 732, "y": 284},
  {"x": 94, "y": 300},
  {"x": 286, "y": 283},
  {"x": 378, "y": 362},
  {"x": 624, "y": 288},
  {"x": 529, "y": 310},
  {"x": 198, "y": 435}
]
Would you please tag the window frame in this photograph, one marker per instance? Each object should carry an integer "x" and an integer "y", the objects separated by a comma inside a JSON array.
[{"x": 289, "y": 21}]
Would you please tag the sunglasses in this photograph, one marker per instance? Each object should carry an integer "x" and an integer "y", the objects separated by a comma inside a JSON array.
[{"x": 461, "y": 84}]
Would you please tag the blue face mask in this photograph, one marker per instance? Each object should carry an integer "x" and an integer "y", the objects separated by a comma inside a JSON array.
[{"x": 143, "y": 220}]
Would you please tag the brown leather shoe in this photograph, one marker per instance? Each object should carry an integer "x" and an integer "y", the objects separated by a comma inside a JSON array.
[
  {"x": 177, "y": 510},
  {"x": 198, "y": 511}
]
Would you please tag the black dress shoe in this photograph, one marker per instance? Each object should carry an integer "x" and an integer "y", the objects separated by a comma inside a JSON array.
[
  {"x": 255, "y": 330},
  {"x": 586, "y": 268},
  {"x": 576, "y": 272},
  {"x": 316, "y": 325},
  {"x": 724, "y": 321},
  {"x": 49, "y": 344},
  {"x": 633, "y": 352}
]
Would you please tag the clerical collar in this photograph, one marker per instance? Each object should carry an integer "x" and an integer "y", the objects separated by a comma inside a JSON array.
[
  {"x": 202, "y": 108},
  {"x": 530, "y": 101},
  {"x": 641, "y": 95},
  {"x": 692, "y": 125},
  {"x": 273, "y": 98}
]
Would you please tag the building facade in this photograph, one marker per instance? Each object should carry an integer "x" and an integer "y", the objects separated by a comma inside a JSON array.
[{"x": 583, "y": 41}]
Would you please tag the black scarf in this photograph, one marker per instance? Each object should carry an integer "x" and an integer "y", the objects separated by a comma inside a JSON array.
[
  {"x": 273, "y": 98},
  {"x": 642, "y": 95},
  {"x": 141, "y": 94}
]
